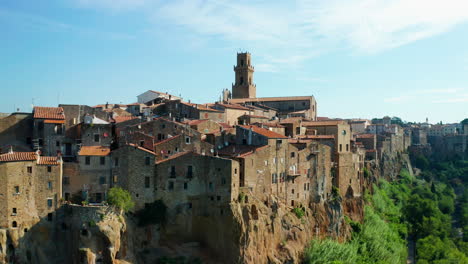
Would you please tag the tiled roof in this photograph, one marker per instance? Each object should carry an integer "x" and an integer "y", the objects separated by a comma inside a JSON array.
[
  {"x": 264, "y": 132},
  {"x": 48, "y": 161},
  {"x": 224, "y": 125},
  {"x": 140, "y": 148},
  {"x": 94, "y": 151},
  {"x": 196, "y": 122},
  {"x": 291, "y": 120},
  {"x": 18, "y": 156},
  {"x": 323, "y": 123},
  {"x": 49, "y": 112},
  {"x": 120, "y": 119},
  {"x": 316, "y": 136},
  {"x": 166, "y": 140},
  {"x": 271, "y": 124},
  {"x": 180, "y": 154},
  {"x": 234, "y": 106},
  {"x": 272, "y": 99},
  {"x": 322, "y": 118},
  {"x": 201, "y": 107},
  {"x": 54, "y": 121},
  {"x": 365, "y": 136}
]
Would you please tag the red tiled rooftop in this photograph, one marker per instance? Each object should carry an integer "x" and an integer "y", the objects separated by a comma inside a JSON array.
[
  {"x": 196, "y": 122},
  {"x": 48, "y": 161},
  {"x": 49, "y": 113},
  {"x": 141, "y": 148},
  {"x": 94, "y": 151},
  {"x": 254, "y": 116},
  {"x": 120, "y": 119},
  {"x": 18, "y": 156},
  {"x": 264, "y": 132}
]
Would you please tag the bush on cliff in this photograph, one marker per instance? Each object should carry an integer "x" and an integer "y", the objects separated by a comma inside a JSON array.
[{"x": 120, "y": 198}]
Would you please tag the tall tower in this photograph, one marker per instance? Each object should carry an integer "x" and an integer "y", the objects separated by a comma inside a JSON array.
[{"x": 243, "y": 86}]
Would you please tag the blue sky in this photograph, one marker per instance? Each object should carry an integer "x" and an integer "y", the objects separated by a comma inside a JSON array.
[{"x": 359, "y": 58}]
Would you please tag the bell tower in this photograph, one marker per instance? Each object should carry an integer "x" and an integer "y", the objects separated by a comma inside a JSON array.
[{"x": 243, "y": 86}]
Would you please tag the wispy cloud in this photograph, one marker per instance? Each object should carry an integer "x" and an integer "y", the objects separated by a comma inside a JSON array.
[
  {"x": 286, "y": 34},
  {"x": 32, "y": 22}
]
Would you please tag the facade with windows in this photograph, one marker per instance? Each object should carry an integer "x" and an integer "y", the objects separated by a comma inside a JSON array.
[{"x": 30, "y": 188}]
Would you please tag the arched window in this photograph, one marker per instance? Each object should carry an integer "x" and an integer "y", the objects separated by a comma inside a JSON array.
[
  {"x": 250, "y": 80},
  {"x": 242, "y": 62},
  {"x": 241, "y": 80},
  {"x": 14, "y": 224}
]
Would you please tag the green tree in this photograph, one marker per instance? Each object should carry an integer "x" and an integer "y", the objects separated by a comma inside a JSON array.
[{"x": 120, "y": 198}]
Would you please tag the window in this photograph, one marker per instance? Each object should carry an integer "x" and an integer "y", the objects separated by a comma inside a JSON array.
[
  {"x": 58, "y": 129},
  {"x": 87, "y": 160},
  {"x": 49, "y": 185},
  {"x": 57, "y": 143},
  {"x": 49, "y": 217},
  {"x": 185, "y": 186},
  {"x": 218, "y": 198},
  {"x": 14, "y": 224},
  {"x": 96, "y": 137},
  {"x": 347, "y": 147},
  {"x": 189, "y": 171},
  {"x": 241, "y": 80},
  {"x": 17, "y": 189},
  {"x": 147, "y": 182},
  {"x": 223, "y": 181},
  {"x": 29, "y": 169},
  {"x": 159, "y": 136},
  {"x": 210, "y": 185},
  {"x": 292, "y": 191},
  {"x": 49, "y": 168},
  {"x": 147, "y": 161},
  {"x": 266, "y": 162},
  {"x": 102, "y": 161},
  {"x": 102, "y": 180},
  {"x": 163, "y": 126},
  {"x": 116, "y": 162},
  {"x": 187, "y": 140},
  {"x": 305, "y": 187},
  {"x": 293, "y": 154},
  {"x": 49, "y": 202},
  {"x": 275, "y": 160},
  {"x": 66, "y": 180},
  {"x": 173, "y": 173},
  {"x": 142, "y": 143},
  {"x": 40, "y": 125},
  {"x": 242, "y": 62},
  {"x": 274, "y": 178},
  {"x": 14, "y": 211},
  {"x": 171, "y": 185},
  {"x": 341, "y": 148}
]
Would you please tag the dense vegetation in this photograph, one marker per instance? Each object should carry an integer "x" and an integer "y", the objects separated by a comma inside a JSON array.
[
  {"x": 431, "y": 210},
  {"x": 120, "y": 198}
]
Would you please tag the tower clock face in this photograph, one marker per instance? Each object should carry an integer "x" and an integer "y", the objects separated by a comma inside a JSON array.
[{"x": 343, "y": 132}]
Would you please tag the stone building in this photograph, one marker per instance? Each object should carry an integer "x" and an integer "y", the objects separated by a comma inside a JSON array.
[
  {"x": 244, "y": 86},
  {"x": 182, "y": 110},
  {"x": 151, "y": 97},
  {"x": 16, "y": 130},
  {"x": 94, "y": 172},
  {"x": 232, "y": 112},
  {"x": 198, "y": 191},
  {"x": 31, "y": 189},
  {"x": 250, "y": 119},
  {"x": 48, "y": 129},
  {"x": 133, "y": 168}
]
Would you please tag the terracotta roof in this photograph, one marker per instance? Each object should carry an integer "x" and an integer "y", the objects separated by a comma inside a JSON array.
[
  {"x": 48, "y": 161},
  {"x": 49, "y": 112},
  {"x": 272, "y": 99},
  {"x": 54, "y": 121},
  {"x": 196, "y": 122},
  {"x": 201, "y": 107},
  {"x": 180, "y": 154},
  {"x": 365, "y": 136},
  {"x": 234, "y": 106},
  {"x": 18, "y": 156},
  {"x": 290, "y": 120},
  {"x": 140, "y": 148},
  {"x": 264, "y": 132},
  {"x": 166, "y": 140},
  {"x": 322, "y": 118},
  {"x": 224, "y": 125},
  {"x": 120, "y": 119},
  {"x": 316, "y": 137},
  {"x": 323, "y": 123},
  {"x": 94, "y": 151}
]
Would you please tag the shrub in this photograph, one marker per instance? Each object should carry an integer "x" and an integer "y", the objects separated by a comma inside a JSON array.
[
  {"x": 367, "y": 173},
  {"x": 120, "y": 198},
  {"x": 299, "y": 212}
]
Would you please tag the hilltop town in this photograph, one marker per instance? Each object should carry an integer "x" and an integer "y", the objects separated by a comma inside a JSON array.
[{"x": 229, "y": 173}]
